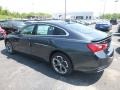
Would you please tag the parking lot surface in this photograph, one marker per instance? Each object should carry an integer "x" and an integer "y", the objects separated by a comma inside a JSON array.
[{"x": 21, "y": 72}]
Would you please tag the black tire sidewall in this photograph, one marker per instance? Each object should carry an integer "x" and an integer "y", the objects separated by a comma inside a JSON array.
[
  {"x": 70, "y": 66},
  {"x": 11, "y": 47}
]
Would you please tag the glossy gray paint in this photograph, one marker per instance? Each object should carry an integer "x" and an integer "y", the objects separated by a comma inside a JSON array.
[{"x": 74, "y": 46}]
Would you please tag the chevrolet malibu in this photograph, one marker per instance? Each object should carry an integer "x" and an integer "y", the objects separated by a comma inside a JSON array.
[{"x": 66, "y": 46}]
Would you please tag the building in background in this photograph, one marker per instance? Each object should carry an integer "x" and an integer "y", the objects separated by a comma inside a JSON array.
[{"x": 75, "y": 15}]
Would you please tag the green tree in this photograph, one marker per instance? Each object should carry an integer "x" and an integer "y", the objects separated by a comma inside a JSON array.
[
  {"x": 6, "y": 13},
  {"x": 0, "y": 8},
  {"x": 111, "y": 16}
]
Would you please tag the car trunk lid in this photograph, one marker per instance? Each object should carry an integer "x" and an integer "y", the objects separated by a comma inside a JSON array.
[{"x": 106, "y": 40}]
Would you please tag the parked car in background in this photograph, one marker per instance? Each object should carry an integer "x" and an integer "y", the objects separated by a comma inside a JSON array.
[
  {"x": 67, "y": 46},
  {"x": 2, "y": 33},
  {"x": 103, "y": 26},
  {"x": 80, "y": 22},
  {"x": 12, "y": 25},
  {"x": 87, "y": 22},
  {"x": 119, "y": 28},
  {"x": 84, "y": 22},
  {"x": 113, "y": 21}
]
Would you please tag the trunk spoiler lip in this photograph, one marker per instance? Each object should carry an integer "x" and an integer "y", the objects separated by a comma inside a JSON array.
[{"x": 102, "y": 40}]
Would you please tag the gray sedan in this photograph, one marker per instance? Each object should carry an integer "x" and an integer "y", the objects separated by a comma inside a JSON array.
[{"x": 66, "y": 46}]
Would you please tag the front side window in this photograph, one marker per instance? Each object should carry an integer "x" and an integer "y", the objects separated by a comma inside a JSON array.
[
  {"x": 49, "y": 30},
  {"x": 42, "y": 29},
  {"x": 28, "y": 30}
]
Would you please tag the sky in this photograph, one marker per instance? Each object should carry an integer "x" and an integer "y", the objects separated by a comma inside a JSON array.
[{"x": 57, "y": 6}]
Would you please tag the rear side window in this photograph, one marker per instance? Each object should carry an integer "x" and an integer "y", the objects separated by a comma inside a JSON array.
[
  {"x": 86, "y": 32},
  {"x": 58, "y": 31},
  {"x": 49, "y": 30}
]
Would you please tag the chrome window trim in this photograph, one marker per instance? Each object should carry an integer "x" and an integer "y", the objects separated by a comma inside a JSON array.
[
  {"x": 41, "y": 44},
  {"x": 67, "y": 34}
]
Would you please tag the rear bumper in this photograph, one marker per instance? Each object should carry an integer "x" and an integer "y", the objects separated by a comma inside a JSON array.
[
  {"x": 102, "y": 64},
  {"x": 93, "y": 63}
]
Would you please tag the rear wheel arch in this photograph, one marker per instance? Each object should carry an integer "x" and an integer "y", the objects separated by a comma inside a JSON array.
[{"x": 58, "y": 51}]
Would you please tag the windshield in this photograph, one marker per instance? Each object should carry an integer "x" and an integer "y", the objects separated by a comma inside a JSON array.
[{"x": 18, "y": 23}]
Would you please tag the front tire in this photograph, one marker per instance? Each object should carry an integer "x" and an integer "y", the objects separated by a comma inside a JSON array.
[
  {"x": 9, "y": 47},
  {"x": 119, "y": 30},
  {"x": 61, "y": 64}
]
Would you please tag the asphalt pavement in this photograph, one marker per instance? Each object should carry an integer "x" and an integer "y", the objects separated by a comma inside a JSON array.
[{"x": 22, "y": 72}]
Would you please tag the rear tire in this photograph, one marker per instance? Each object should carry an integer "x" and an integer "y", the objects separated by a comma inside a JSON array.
[{"x": 61, "y": 64}]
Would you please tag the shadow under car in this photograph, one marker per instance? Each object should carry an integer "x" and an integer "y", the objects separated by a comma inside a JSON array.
[{"x": 76, "y": 78}]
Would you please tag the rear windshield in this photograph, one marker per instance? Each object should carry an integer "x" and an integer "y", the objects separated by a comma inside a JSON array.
[
  {"x": 80, "y": 28},
  {"x": 86, "y": 32}
]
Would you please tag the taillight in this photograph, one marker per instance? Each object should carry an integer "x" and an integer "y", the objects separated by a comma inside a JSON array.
[{"x": 95, "y": 47}]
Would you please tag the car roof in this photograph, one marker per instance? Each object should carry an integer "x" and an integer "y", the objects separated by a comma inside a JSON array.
[
  {"x": 13, "y": 21},
  {"x": 103, "y": 22},
  {"x": 55, "y": 22}
]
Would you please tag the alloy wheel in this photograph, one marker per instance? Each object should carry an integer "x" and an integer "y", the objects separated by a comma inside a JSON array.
[{"x": 60, "y": 64}]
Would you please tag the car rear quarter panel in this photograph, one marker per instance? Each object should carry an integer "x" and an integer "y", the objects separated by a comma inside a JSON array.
[{"x": 76, "y": 50}]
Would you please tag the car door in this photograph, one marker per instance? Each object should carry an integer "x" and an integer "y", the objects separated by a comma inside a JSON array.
[
  {"x": 22, "y": 42},
  {"x": 42, "y": 42}
]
